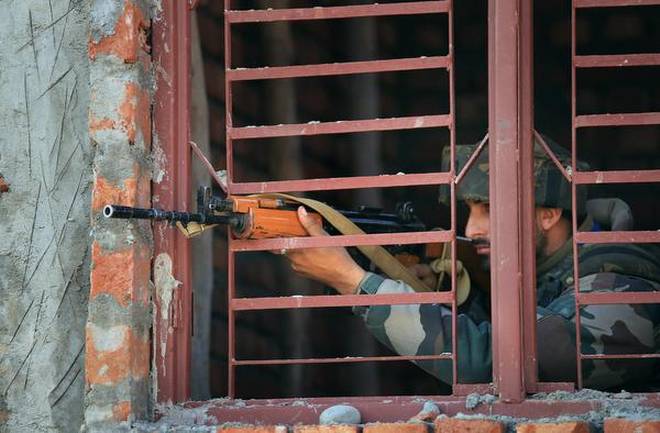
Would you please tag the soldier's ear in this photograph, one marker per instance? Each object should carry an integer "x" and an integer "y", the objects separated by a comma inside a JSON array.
[{"x": 548, "y": 217}]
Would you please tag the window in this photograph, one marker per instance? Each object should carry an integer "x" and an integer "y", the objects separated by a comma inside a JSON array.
[{"x": 511, "y": 118}]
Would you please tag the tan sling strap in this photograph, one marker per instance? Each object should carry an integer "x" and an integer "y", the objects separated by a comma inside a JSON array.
[{"x": 377, "y": 254}]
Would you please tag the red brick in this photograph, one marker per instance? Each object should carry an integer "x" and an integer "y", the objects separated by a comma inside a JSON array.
[
  {"x": 123, "y": 274},
  {"x": 127, "y": 358},
  {"x": 134, "y": 191},
  {"x": 135, "y": 113},
  {"x": 395, "y": 428},
  {"x": 253, "y": 429},
  {"x": 618, "y": 425},
  {"x": 128, "y": 38},
  {"x": 121, "y": 411},
  {"x": 100, "y": 124},
  {"x": 335, "y": 428},
  {"x": 454, "y": 425},
  {"x": 560, "y": 427}
]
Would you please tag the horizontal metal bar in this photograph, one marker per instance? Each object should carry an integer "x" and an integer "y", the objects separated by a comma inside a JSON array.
[
  {"x": 346, "y": 68},
  {"x": 335, "y": 12},
  {"x": 634, "y": 237},
  {"x": 623, "y": 119},
  {"x": 345, "y": 360},
  {"x": 551, "y": 387},
  {"x": 616, "y": 176},
  {"x": 617, "y": 60},
  {"x": 605, "y": 298},
  {"x": 339, "y": 127},
  {"x": 341, "y": 241},
  {"x": 613, "y": 3},
  {"x": 621, "y": 356},
  {"x": 337, "y": 183},
  {"x": 463, "y": 389},
  {"x": 334, "y": 301}
]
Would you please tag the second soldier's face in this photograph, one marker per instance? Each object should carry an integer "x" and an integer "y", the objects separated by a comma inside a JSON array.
[{"x": 478, "y": 226}]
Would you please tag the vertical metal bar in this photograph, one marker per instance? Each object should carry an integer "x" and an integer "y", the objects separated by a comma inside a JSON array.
[
  {"x": 229, "y": 119},
  {"x": 576, "y": 272},
  {"x": 231, "y": 324},
  {"x": 231, "y": 262},
  {"x": 182, "y": 266},
  {"x": 527, "y": 223},
  {"x": 505, "y": 138},
  {"x": 172, "y": 126},
  {"x": 452, "y": 170}
]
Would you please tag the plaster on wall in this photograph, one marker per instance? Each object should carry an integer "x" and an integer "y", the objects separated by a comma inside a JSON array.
[
  {"x": 165, "y": 284},
  {"x": 44, "y": 258}
]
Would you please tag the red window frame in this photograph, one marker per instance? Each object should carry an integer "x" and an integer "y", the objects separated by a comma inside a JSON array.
[
  {"x": 171, "y": 112},
  {"x": 511, "y": 180}
]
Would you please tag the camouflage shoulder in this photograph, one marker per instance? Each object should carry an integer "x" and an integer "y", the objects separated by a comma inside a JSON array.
[{"x": 641, "y": 261}]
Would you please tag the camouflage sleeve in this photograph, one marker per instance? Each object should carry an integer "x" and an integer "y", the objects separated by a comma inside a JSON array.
[
  {"x": 426, "y": 330},
  {"x": 605, "y": 329}
]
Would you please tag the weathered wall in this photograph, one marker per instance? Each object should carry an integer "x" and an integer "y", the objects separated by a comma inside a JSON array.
[
  {"x": 45, "y": 156},
  {"x": 117, "y": 349}
]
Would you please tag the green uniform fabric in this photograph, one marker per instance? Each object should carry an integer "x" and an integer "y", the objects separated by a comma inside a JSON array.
[{"x": 609, "y": 329}]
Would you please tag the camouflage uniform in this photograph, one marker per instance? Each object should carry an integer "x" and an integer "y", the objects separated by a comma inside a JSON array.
[{"x": 609, "y": 329}]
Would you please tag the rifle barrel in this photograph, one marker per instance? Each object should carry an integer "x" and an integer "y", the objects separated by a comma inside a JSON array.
[{"x": 127, "y": 212}]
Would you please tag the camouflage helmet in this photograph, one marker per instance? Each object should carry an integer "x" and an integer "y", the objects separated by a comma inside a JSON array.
[{"x": 551, "y": 188}]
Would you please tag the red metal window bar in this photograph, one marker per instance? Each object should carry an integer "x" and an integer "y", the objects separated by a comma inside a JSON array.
[
  {"x": 173, "y": 321},
  {"x": 608, "y": 177}
]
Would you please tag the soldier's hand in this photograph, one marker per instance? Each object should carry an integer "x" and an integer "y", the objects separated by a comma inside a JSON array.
[
  {"x": 332, "y": 266},
  {"x": 424, "y": 273}
]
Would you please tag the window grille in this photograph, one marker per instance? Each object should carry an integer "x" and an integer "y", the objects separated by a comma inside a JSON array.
[
  {"x": 607, "y": 177},
  {"x": 233, "y": 75},
  {"x": 516, "y": 375}
]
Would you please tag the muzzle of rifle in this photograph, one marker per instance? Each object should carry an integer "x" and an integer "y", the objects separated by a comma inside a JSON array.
[{"x": 127, "y": 212}]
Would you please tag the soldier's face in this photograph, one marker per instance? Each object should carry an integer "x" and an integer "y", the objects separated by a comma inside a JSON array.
[
  {"x": 478, "y": 226},
  {"x": 478, "y": 229}
]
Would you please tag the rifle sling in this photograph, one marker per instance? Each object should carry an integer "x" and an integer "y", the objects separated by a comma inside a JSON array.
[{"x": 377, "y": 254}]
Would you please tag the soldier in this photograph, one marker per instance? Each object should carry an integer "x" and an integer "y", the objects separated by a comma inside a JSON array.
[{"x": 610, "y": 329}]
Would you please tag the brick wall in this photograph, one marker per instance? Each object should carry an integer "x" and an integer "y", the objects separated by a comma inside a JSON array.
[
  {"x": 440, "y": 425},
  {"x": 117, "y": 354}
]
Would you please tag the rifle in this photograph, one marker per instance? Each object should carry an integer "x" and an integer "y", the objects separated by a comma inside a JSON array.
[
  {"x": 266, "y": 217},
  {"x": 272, "y": 216}
]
